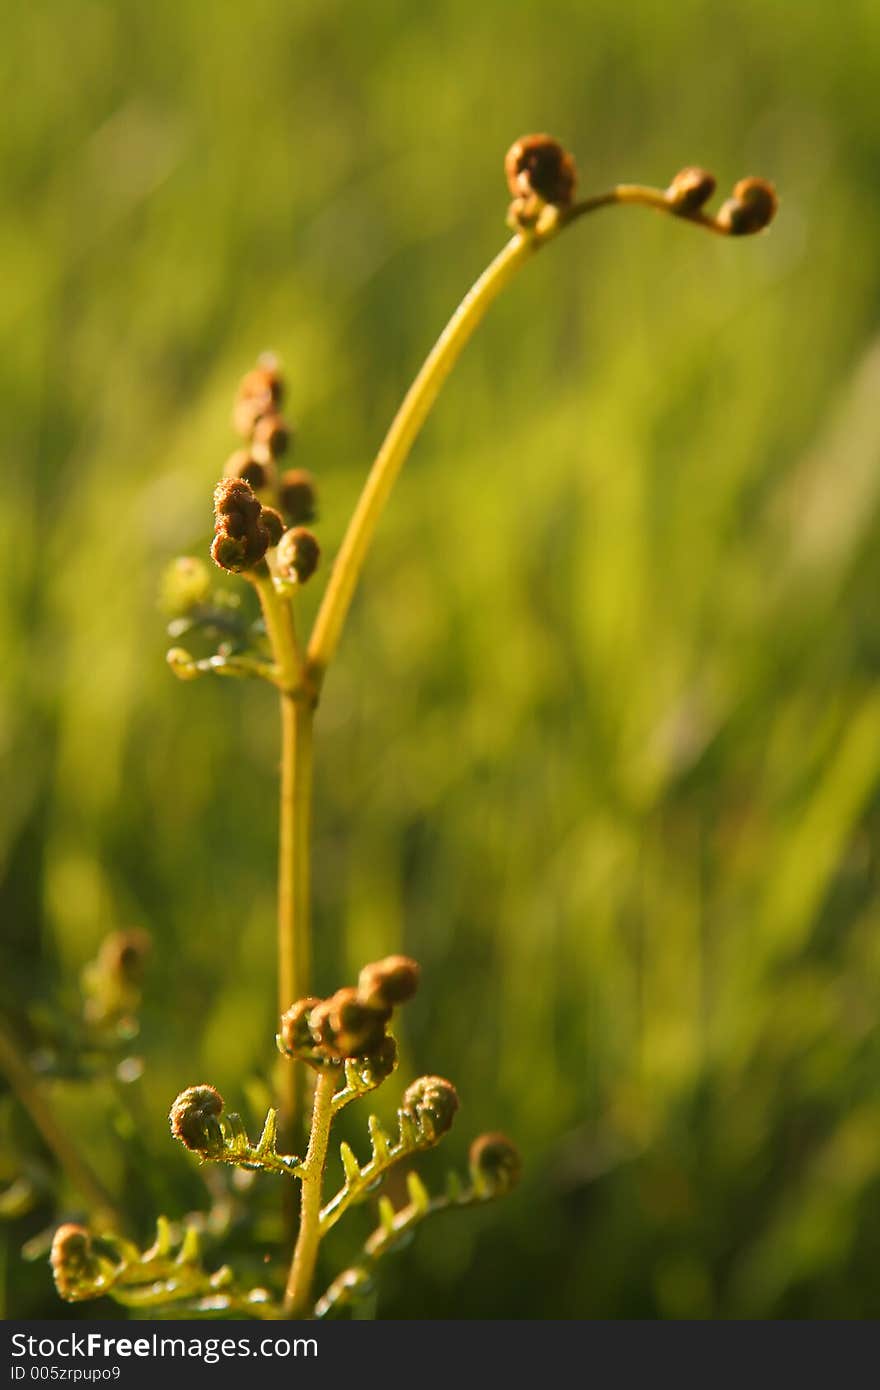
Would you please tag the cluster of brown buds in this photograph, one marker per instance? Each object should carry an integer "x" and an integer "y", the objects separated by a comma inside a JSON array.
[
  {"x": 258, "y": 508},
  {"x": 243, "y": 527},
  {"x": 750, "y": 208},
  {"x": 542, "y": 179},
  {"x": 256, "y": 416},
  {"x": 353, "y": 1022}
]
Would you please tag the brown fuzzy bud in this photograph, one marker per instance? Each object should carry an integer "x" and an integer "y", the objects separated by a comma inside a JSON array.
[
  {"x": 298, "y": 555},
  {"x": 240, "y": 535},
  {"x": 250, "y": 470},
  {"x": 388, "y": 982},
  {"x": 344, "y": 1026},
  {"x": 539, "y": 171},
  {"x": 234, "y": 501},
  {"x": 295, "y": 1035},
  {"x": 495, "y": 1164},
  {"x": 431, "y": 1103},
  {"x": 297, "y": 495},
  {"x": 377, "y": 1066},
  {"x": 751, "y": 209},
  {"x": 195, "y": 1119},
  {"x": 264, "y": 380},
  {"x": 75, "y": 1267},
  {"x": 690, "y": 189},
  {"x": 271, "y": 436},
  {"x": 274, "y": 524},
  {"x": 260, "y": 393}
]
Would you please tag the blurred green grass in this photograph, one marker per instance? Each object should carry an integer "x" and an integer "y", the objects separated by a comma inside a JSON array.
[{"x": 602, "y": 747}]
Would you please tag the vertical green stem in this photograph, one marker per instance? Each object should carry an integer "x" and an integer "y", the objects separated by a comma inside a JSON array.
[
  {"x": 294, "y": 888},
  {"x": 29, "y": 1090},
  {"x": 302, "y": 1269},
  {"x": 294, "y": 910}
]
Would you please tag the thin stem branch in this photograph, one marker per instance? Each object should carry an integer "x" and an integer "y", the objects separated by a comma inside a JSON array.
[
  {"x": 281, "y": 631},
  {"x": 302, "y": 1268},
  {"x": 405, "y": 427},
  {"x": 29, "y": 1090},
  {"x": 354, "y": 1087},
  {"x": 362, "y": 1181},
  {"x": 393, "y": 1229},
  {"x": 641, "y": 195}
]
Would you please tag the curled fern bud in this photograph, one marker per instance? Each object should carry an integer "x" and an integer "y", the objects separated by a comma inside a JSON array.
[
  {"x": 495, "y": 1164},
  {"x": 751, "y": 209},
  {"x": 195, "y": 1119},
  {"x": 298, "y": 555},
  {"x": 186, "y": 584},
  {"x": 344, "y": 1026},
  {"x": 271, "y": 436},
  {"x": 260, "y": 393},
  {"x": 297, "y": 496},
  {"x": 295, "y": 1036},
  {"x": 537, "y": 166},
  {"x": 377, "y": 1066},
  {"x": 75, "y": 1268},
  {"x": 240, "y": 535},
  {"x": 388, "y": 982},
  {"x": 690, "y": 189},
  {"x": 274, "y": 524},
  {"x": 540, "y": 173},
  {"x": 243, "y": 466},
  {"x": 431, "y": 1103}
]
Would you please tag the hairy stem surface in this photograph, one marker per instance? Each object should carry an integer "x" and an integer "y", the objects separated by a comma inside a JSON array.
[{"x": 299, "y": 1283}]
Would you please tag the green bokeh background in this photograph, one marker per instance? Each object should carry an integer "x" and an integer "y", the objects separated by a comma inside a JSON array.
[{"x": 602, "y": 746}]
